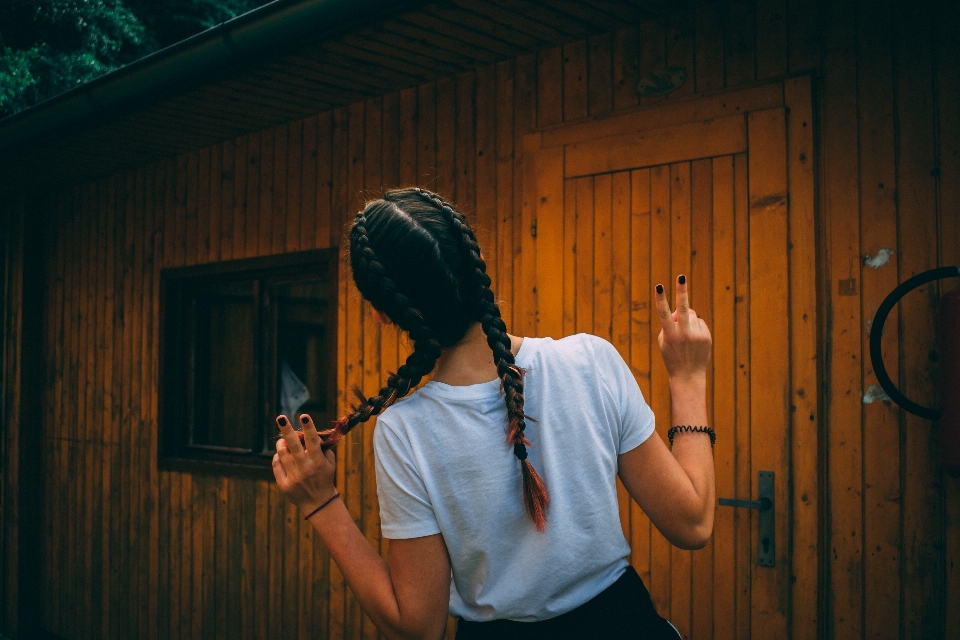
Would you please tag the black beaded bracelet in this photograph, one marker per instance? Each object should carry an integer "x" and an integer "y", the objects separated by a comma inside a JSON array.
[{"x": 699, "y": 429}]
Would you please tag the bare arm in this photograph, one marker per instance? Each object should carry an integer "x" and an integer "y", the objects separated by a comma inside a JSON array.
[
  {"x": 407, "y": 597},
  {"x": 677, "y": 489}
]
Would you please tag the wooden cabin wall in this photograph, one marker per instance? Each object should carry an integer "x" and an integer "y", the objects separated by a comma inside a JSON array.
[
  {"x": 132, "y": 551},
  {"x": 11, "y": 222}
]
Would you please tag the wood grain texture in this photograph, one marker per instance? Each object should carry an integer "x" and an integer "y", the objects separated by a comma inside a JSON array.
[
  {"x": 840, "y": 200},
  {"x": 869, "y": 521}
]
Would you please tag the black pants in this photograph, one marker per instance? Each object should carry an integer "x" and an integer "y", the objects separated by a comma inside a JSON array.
[{"x": 622, "y": 611}]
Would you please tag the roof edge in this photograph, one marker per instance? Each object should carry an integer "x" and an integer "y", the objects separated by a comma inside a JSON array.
[{"x": 233, "y": 44}]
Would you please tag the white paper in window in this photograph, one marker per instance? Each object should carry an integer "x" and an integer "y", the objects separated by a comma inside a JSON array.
[{"x": 293, "y": 393}]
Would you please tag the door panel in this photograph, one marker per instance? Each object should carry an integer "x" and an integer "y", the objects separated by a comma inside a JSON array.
[{"x": 613, "y": 216}]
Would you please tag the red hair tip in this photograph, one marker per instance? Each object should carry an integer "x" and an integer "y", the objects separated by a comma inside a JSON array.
[{"x": 535, "y": 496}]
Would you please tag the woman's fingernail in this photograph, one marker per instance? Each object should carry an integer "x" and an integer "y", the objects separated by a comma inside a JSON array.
[
  {"x": 659, "y": 288},
  {"x": 304, "y": 419},
  {"x": 282, "y": 421},
  {"x": 682, "y": 279}
]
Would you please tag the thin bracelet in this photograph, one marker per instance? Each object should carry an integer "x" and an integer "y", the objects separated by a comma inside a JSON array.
[
  {"x": 691, "y": 429},
  {"x": 312, "y": 513}
]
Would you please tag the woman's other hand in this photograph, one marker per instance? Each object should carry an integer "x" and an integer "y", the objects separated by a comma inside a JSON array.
[
  {"x": 684, "y": 339},
  {"x": 304, "y": 471}
]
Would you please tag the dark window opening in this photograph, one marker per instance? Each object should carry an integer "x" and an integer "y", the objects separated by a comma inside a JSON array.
[{"x": 243, "y": 342}]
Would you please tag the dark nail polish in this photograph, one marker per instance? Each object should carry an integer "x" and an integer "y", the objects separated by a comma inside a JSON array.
[
  {"x": 304, "y": 419},
  {"x": 282, "y": 421},
  {"x": 659, "y": 288},
  {"x": 682, "y": 279}
]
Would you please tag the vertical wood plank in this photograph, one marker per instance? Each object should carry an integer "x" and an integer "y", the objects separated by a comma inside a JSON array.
[
  {"x": 640, "y": 333},
  {"x": 659, "y": 398},
  {"x": 619, "y": 232},
  {"x": 743, "y": 469},
  {"x": 294, "y": 185},
  {"x": 739, "y": 45},
  {"x": 948, "y": 94},
  {"x": 803, "y": 36},
  {"x": 569, "y": 256},
  {"x": 309, "y": 183},
  {"x": 701, "y": 295},
  {"x": 841, "y": 233},
  {"x": 325, "y": 215},
  {"x": 602, "y": 255},
  {"x": 427, "y": 135},
  {"x": 192, "y": 206},
  {"x": 340, "y": 154},
  {"x": 251, "y": 226},
  {"x": 804, "y": 323},
  {"x": 770, "y": 398},
  {"x": 373, "y": 377},
  {"x": 550, "y": 96},
  {"x": 600, "y": 74},
  {"x": 505, "y": 196},
  {"x": 465, "y": 152},
  {"x": 407, "y": 144},
  {"x": 681, "y": 564},
  {"x": 277, "y": 214},
  {"x": 485, "y": 185},
  {"x": 653, "y": 54},
  {"x": 548, "y": 199},
  {"x": 391, "y": 162},
  {"x": 524, "y": 256},
  {"x": 95, "y": 463},
  {"x": 626, "y": 64},
  {"x": 923, "y": 526},
  {"x": 227, "y": 184},
  {"x": 164, "y": 574},
  {"x": 56, "y": 420},
  {"x": 446, "y": 137},
  {"x": 133, "y": 214},
  {"x": 103, "y": 416},
  {"x": 204, "y": 169},
  {"x": 584, "y": 312},
  {"x": 258, "y": 505},
  {"x": 239, "y": 217},
  {"x": 268, "y": 188},
  {"x": 878, "y": 224},
  {"x": 336, "y": 622},
  {"x": 217, "y": 179},
  {"x": 680, "y": 48},
  {"x": 771, "y": 38},
  {"x": 153, "y": 225},
  {"x": 722, "y": 324},
  {"x": 708, "y": 74},
  {"x": 356, "y": 358}
]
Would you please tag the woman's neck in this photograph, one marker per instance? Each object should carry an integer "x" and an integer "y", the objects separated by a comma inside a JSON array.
[{"x": 470, "y": 361}]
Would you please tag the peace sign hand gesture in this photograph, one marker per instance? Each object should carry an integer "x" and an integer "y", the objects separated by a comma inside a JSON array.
[{"x": 684, "y": 339}]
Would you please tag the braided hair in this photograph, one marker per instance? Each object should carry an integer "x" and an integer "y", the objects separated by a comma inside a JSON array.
[{"x": 415, "y": 258}]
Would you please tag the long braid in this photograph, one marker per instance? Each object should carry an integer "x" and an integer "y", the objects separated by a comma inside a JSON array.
[
  {"x": 380, "y": 290},
  {"x": 535, "y": 497}
]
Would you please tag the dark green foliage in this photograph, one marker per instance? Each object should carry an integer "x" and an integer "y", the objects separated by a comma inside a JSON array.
[{"x": 50, "y": 46}]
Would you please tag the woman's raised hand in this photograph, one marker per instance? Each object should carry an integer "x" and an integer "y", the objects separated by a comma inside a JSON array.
[
  {"x": 304, "y": 471},
  {"x": 684, "y": 339}
]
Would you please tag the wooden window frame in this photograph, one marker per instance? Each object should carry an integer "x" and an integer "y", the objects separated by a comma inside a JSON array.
[{"x": 176, "y": 376}]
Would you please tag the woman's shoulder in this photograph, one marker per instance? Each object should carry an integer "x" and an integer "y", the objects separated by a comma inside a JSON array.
[{"x": 578, "y": 345}]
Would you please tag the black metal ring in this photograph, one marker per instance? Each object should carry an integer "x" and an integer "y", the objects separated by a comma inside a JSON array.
[{"x": 876, "y": 335}]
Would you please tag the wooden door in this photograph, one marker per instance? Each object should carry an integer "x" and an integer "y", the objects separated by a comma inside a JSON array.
[{"x": 720, "y": 189}]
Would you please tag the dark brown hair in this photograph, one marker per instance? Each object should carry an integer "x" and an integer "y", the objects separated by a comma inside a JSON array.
[{"x": 416, "y": 259}]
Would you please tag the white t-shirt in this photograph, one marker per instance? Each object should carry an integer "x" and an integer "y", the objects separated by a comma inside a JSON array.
[{"x": 444, "y": 466}]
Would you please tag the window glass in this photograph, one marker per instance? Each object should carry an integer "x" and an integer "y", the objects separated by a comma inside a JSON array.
[
  {"x": 225, "y": 391},
  {"x": 244, "y": 341}
]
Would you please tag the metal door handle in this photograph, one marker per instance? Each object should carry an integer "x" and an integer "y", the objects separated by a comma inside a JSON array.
[
  {"x": 760, "y": 505},
  {"x": 767, "y": 548}
]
